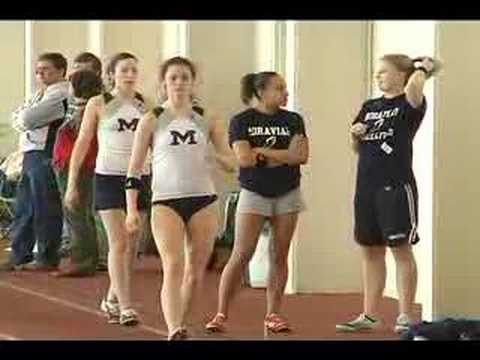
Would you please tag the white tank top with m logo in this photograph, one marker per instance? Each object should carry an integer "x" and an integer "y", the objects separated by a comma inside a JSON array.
[
  {"x": 116, "y": 130},
  {"x": 180, "y": 157}
]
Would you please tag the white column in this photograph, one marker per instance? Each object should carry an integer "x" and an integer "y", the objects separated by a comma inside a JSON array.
[
  {"x": 265, "y": 55},
  {"x": 96, "y": 37},
  {"x": 29, "y": 61},
  {"x": 289, "y": 51},
  {"x": 176, "y": 38}
]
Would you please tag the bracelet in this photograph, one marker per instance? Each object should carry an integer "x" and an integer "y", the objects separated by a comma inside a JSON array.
[
  {"x": 133, "y": 183},
  {"x": 261, "y": 161}
]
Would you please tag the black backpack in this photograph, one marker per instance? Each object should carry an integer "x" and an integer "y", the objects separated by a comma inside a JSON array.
[{"x": 446, "y": 330}]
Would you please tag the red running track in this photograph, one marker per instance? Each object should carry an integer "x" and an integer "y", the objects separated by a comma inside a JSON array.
[{"x": 37, "y": 306}]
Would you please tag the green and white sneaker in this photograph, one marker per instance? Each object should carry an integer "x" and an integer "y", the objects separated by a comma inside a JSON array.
[
  {"x": 402, "y": 324},
  {"x": 362, "y": 322}
]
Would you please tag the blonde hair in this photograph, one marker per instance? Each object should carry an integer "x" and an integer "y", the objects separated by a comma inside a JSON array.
[{"x": 401, "y": 62}]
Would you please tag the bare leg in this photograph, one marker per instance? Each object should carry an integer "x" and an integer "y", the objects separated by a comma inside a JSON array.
[
  {"x": 202, "y": 229},
  {"x": 247, "y": 231},
  {"x": 114, "y": 221},
  {"x": 406, "y": 277},
  {"x": 283, "y": 227},
  {"x": 169, "y": 234},
  {"x": 374, "y": 276},
  {"x": 131, "y": 254}
]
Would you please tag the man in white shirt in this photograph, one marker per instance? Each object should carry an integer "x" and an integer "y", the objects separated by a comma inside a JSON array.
[{"x": 38, "y": 210}]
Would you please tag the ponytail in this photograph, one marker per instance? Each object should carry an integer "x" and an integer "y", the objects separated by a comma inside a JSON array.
[
  {"x": 252, "y": 83},
  {"x": 247, "y": 90}
]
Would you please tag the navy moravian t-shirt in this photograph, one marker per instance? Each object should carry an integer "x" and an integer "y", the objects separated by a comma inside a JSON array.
[
  {"x": 267, "y": 130},
  {"x": 385, "y": 151}
]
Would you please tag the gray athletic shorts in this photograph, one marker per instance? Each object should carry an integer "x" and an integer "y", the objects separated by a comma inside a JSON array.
[{"x": 253, "y": 203}]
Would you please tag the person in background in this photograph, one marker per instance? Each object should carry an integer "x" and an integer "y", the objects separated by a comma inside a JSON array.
[
  {"x": 88, "y": 61},
  {"x": 38, "y": 210},
  {"x": 270, "y": 144},
  {"x": 386, "y": 197},
  {"x": 184, "y": 202},
  {"x": 83, "y": 252},
  {"x": 113, "y": 118}
]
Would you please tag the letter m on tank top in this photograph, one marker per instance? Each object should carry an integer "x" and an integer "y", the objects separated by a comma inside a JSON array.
[
  {"x": 125, "y": 125},
  {"x": 188, "y": 137}
]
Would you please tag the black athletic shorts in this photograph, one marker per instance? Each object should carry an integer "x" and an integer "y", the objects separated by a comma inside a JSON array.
[
  {"x": 187, "y": 206},
  {"x": 386, "y": 215},
  {"x": 110, "y": 192}
]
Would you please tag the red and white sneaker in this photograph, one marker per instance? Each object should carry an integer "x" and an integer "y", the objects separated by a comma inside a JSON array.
[{"x": 276, "y": 323}]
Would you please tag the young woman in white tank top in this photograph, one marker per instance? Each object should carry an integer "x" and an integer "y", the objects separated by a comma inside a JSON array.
[
  {"x": 113, "y": 117},
  {"x": 183, "y": 192}
]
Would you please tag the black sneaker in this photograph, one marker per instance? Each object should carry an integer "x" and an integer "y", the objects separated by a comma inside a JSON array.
[
  {"x": 9, "y": 265},
  {"x": 102, "y": 267}
]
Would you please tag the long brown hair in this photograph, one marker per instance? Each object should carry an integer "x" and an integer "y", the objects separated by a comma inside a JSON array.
[
  {"x": 110, "y": 69},
  {"x": 176, "y": 60}
]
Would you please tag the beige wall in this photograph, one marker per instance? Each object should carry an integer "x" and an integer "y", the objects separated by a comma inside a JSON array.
[
  {"x": 331, "y": 66},
  {"x": 329, "y": 79},
  {"x": 456, "y": 249},
  {"x": 67, "y": 37},
  {"x": 105, "y": 38},
  {"x": 12, "y": 78},
  {"x": 223, "y": 52},
  {"x": 142, "y": 38},
  {"x": 218, "y": 49}
]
